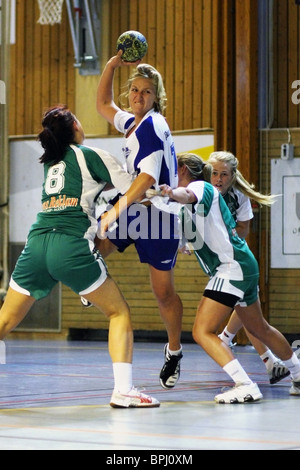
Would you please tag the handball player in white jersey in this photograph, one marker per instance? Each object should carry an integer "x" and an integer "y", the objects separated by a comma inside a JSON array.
[
  {"x": 60, "y": 245},
  {"x": 234, "y": 274},
  {"x": 150, "y": 155}
]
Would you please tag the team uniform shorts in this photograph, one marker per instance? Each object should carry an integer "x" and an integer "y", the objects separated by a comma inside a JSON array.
[
  {"x": 52, "y": 257},
  {"x": 154, "y": 233},
  {"x": 232, "y": 293}
]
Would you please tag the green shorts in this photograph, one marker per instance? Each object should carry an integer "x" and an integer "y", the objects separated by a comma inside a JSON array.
[
  {"x": 52, "y": 257},
  {"x": 243, "y": 293}
]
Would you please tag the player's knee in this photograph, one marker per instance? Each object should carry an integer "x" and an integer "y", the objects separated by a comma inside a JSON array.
[
  {"x": 122, "y": 312},
  {"x": 198, "y": 335},
  {"x": 165, "y": 294}
]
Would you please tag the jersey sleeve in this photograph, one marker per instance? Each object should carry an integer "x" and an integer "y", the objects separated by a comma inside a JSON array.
[
  {"x": 198, "y": 189},
  {"x": 109, "y": 169},
  {"x": 123, "y": 121},
  {"x": 244, "y": 211}
]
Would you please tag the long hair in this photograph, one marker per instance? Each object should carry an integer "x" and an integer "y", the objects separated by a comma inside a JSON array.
[
  {"x": 198, "y": 169},
  {"x": 238, "y": 180},
  {"x": 147, "y": 71},
  {"x": 58, "y": 132}
]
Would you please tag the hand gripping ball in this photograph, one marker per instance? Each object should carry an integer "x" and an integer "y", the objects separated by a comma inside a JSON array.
[{"x": 133, "y": 44}]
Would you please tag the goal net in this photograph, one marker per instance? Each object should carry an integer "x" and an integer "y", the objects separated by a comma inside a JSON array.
[{"x": 50, "y": 11}]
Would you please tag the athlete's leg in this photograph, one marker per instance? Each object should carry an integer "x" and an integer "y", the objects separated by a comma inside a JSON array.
[
  {"x": 13, "y": 310},
  {"x": 170, "y": 308},
  {"x": 105, "y": 246},
  {"x": 235, "y": 324},
  {"x": 256, "y": 325},
  {"x": 210, "y": 315},
  {"x": 109, "y": 299},
  {"x": 169, "y": 304},
  {"x": 111, "y": 302}
]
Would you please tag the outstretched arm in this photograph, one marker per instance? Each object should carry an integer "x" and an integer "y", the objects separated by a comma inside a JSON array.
[
  {"x": 135, "y": 193},
  {"x": 105, "y": 95},
  {"x": 180, "y": 194}
]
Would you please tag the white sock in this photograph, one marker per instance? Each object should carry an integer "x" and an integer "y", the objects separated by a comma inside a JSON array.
[
  {"x": 237, "y": 373},
  {"x": 122, "y": 376},
  {"x": 226, "y": 336},
  {"x": 293, "y": 365},
  {"x": 268, "y": 359},
  {"x": 174, "y": 353}
]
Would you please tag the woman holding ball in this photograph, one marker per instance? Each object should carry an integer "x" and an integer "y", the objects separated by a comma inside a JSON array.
[{"x": 150, "y": 155}]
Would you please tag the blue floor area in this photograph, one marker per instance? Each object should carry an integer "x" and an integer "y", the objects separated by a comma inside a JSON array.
[{"x": 55, "y": 395}]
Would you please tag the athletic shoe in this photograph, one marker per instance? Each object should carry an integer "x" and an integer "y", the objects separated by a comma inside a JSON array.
[
  {"x": 295, "y": 388},
  {"x": 240, "y": 394},
  {"x": 278, "y": 372},
  {"x": 85, "y": 303},
  {"x": 170, "y": 372},
  {"x": 133, "y": 399},
  {"x": 297, "y": 352}
]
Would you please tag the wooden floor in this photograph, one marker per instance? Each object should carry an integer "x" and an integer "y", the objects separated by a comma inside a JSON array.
[{"x": 55, "y": 396}]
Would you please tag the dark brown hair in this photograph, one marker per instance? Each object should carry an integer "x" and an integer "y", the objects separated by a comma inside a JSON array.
[{"x": 58, "y": 132}]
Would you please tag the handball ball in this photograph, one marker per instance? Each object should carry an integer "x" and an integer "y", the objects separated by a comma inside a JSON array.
[{"x": 133, "y": 44}]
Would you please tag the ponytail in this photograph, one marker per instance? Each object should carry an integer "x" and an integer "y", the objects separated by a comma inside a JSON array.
[{"x": 57, "y": 134}]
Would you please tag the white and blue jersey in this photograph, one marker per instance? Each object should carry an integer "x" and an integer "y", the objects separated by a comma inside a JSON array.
[{"x": 149, "y": 148}]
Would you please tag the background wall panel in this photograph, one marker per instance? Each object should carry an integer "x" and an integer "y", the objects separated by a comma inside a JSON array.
[
  {"x": 280, "y": 287},
  {"x": 193, "y": 43},
  {"x": 42, "y": 72},
  {"x": 286, "y": 50}
]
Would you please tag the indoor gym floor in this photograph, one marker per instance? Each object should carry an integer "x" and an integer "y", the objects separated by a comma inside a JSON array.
[{"x": 54, "y": 395}]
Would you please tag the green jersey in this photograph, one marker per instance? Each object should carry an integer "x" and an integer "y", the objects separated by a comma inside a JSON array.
[
  {"x": 71, "y": 188},
  {"x": 209, "y": 226}
]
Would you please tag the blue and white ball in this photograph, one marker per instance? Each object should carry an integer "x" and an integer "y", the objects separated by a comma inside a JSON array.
[{"x": 133, "y": 44}]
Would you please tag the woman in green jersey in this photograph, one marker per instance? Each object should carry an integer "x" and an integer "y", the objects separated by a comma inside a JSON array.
[
  {"x": 60, "y": 244},
  {"x": 210, "y": 228},
  {"x": 238, "y": 193}
]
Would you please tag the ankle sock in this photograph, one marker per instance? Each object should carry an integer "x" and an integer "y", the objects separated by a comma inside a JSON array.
[
  {"x": 268, "y": 359},
  {"x": 174, "y": 353},
  {"x": 122, "y": 376},
  {"x": 293, "y": 365},
  {"x": 237, "y": 373},
  {"x": 226, "y": 336}
]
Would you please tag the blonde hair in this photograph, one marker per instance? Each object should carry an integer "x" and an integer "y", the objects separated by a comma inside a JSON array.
[
  {"x": 198, "y": 169},
  {"x": 147, "y": 71},
  {"x": 238, "y": 181}
]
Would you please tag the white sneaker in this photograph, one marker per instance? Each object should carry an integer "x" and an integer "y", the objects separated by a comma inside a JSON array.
[
  {"x": 295, "y": 388},
  {"x": 133, "y": 399},
  {"x": 240, "y": 394}
]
